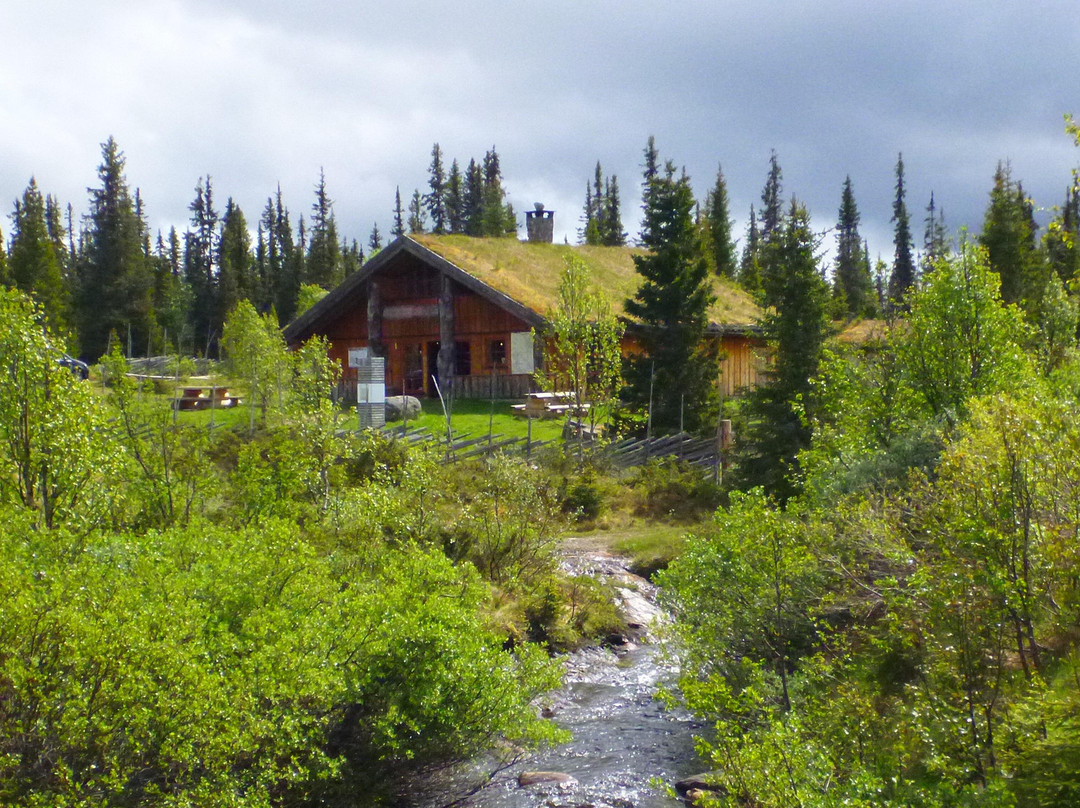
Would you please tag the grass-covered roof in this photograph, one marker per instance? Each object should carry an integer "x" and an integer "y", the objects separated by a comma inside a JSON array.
[{"x": 529, "y": 273}]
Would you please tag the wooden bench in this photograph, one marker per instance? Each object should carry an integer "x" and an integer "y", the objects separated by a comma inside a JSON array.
[{"x": 204, "y": 398}]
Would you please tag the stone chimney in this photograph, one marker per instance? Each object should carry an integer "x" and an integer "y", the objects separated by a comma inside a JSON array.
[{"x": 540, "y": 224}]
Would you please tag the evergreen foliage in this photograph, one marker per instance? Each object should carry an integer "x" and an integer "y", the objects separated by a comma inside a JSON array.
[
  {"x": 1008, "y": 235},
  {"x": 435, "y": 200},
  {"x": 718, "y": 218},
  {"x": 853, "y": 284},
  {"x": 902, "y": 279},
  {"x": 778, "y": 411},
  {"x": 114, "y": 278},
  {"x": 602, "y": 213},
  {"x": 323, "y": 265},
  {"x": 398, "y": 230},
  {"x": 417, "y": 216},
  {"x": 673, "y": 381},
  {"x": 35, "y": 263}
]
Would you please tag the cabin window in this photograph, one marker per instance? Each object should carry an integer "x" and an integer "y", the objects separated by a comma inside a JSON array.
[
  {"x": 497, "y": 354},
  {"x": 462, "y": 359}
]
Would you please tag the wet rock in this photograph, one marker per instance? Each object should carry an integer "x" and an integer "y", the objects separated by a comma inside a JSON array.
[
  {"x": 532, "y": 778},
  {"x": 698, "y": 783}
]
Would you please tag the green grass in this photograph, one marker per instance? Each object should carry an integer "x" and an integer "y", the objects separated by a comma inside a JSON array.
[{"x": 474, "y": 417}]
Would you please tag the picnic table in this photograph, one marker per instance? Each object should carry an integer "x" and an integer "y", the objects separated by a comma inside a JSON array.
[
  {"x": 547, "y": 405},
  {"x": 205, "y": 397}
]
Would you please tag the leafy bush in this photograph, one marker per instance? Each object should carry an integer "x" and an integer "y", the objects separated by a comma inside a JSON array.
[{"x": 208, "y": 665}]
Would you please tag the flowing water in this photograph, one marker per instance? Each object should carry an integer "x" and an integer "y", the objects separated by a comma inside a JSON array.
[{"x": 626, "y": 745}]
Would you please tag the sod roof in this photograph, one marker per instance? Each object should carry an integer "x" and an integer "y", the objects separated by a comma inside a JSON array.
[{"x": 529, "y": 273}]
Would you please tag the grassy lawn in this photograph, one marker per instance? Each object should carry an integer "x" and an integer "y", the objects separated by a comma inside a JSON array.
[{"x": 475, "y": 416}]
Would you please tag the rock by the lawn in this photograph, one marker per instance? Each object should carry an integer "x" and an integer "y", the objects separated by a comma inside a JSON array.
[
  {"x": 532, "y": 778},
  {"x": 399, "y": 407}
]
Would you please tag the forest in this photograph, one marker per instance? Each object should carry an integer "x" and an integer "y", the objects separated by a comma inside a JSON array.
[{"x": 878, "y": 603}]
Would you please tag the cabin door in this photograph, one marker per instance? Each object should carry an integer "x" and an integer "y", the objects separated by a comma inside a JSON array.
[{"x": 432, "y": 367}]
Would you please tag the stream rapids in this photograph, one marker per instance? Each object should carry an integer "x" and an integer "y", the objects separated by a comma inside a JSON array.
[{"x": 626, "y": 745}]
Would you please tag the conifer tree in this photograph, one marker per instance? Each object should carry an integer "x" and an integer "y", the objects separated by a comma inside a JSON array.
[
  {"x": 852, "y": 273},
  {"x": 778, "y": 427},
  {"x": 599, "y": 210},
  {"x": 903, "y": 270},
  {"x": 352, "y": 257},
  {"x": 280, "y": 280},
  {"x": 677, "y": 370},
  {"x": 455, "y": 199},
  {"x": 435, "y": 200},
  {"x": 590, "y": 232},
  {"x": 1061, "y": 239},
  {"x": 398, "y": 230},
  {"x": 614, "y": 235},
  {"x": 33, "y": 264},
  {"x": 770, "y": 218},
  {"x": 474, "y": 199},
  {"x": 497, "y": 217},
  {"x": 935, "y": 236},
  {"x": 114, "y": 277},
  {"x": 718, "y": 219},
  {"x": 323, "y": 266},
  {"x": 200, "y": 251},
  {"x": 1008, "y": 235},
  {"x": 60, "y": 239},
  {"x": 235, "y": 276},
  {"x": 416, "y": 213},
  {"x": 3, "y": 261},
  {"x": 375, "y": 239},
  {"x": 750, "y": 262}
]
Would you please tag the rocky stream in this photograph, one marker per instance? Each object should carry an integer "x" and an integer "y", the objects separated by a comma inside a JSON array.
[{"x": 626, "y": 745}]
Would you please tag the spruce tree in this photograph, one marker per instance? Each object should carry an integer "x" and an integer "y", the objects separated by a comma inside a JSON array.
[
  {"x": 935, "y": 236},
  {"x": 280, "y": 280},
  {"x": 902, "y": 278},
  {"x": 854, "y": 286},
  {"x": 235, "y": 275},
  {"x": 455, "y": 200},
  {"x": 497, "y": 217},
  {"x": 375, "y": 239},
  {"x": 718, "y": 220},
  {"x": 769, "y": 221},
  {"x": 115, "y": 281},
  {"x": 613, "y": 234},
  {"x": 599, "y": 211},
  {"x": 779, "y": 411},
  {"x": 200, "y": 268},
  {"x": 352, "y": 256},
  {"x": 474, "y": 199},
  {"x": 435, "y": 200},
  {"x": 677, "y": 369},
  {"x": 323, "y": 266},
  {"x": 750, "y": 262},
  {"x": 1008, "y": 235},
  {"x": 33, "y": 264},
  {"x": 590, "y": 232},
  {"x": 650, "y": 172},
  {"x": 398, "y": 230},
  {"x": 1061, "y": 239},
  {"x": 416, "y": 213}
]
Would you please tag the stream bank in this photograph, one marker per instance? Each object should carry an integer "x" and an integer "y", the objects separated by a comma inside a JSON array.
[{"x": 624, "y": 740}]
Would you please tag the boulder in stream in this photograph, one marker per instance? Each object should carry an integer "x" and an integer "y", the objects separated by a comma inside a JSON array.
[{"x": 532, "y": 778}]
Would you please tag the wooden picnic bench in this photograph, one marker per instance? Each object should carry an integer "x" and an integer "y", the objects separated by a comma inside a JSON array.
[{"x": 204, "y": 398}]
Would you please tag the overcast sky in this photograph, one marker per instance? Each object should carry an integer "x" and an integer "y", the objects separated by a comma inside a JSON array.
[{"x": 260, "y": 92}]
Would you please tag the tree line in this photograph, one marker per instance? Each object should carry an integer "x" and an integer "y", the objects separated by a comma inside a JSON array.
[{"x": 106, "y": 277}]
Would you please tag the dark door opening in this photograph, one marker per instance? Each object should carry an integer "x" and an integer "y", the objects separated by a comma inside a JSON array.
[{"x": 432, "y": 368}]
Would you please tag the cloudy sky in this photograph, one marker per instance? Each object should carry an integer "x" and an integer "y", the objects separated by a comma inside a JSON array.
[{"x": 257, "y": 93}]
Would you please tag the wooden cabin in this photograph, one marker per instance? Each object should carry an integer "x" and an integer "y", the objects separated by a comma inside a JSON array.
[{"x": 461, "y": 312}]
